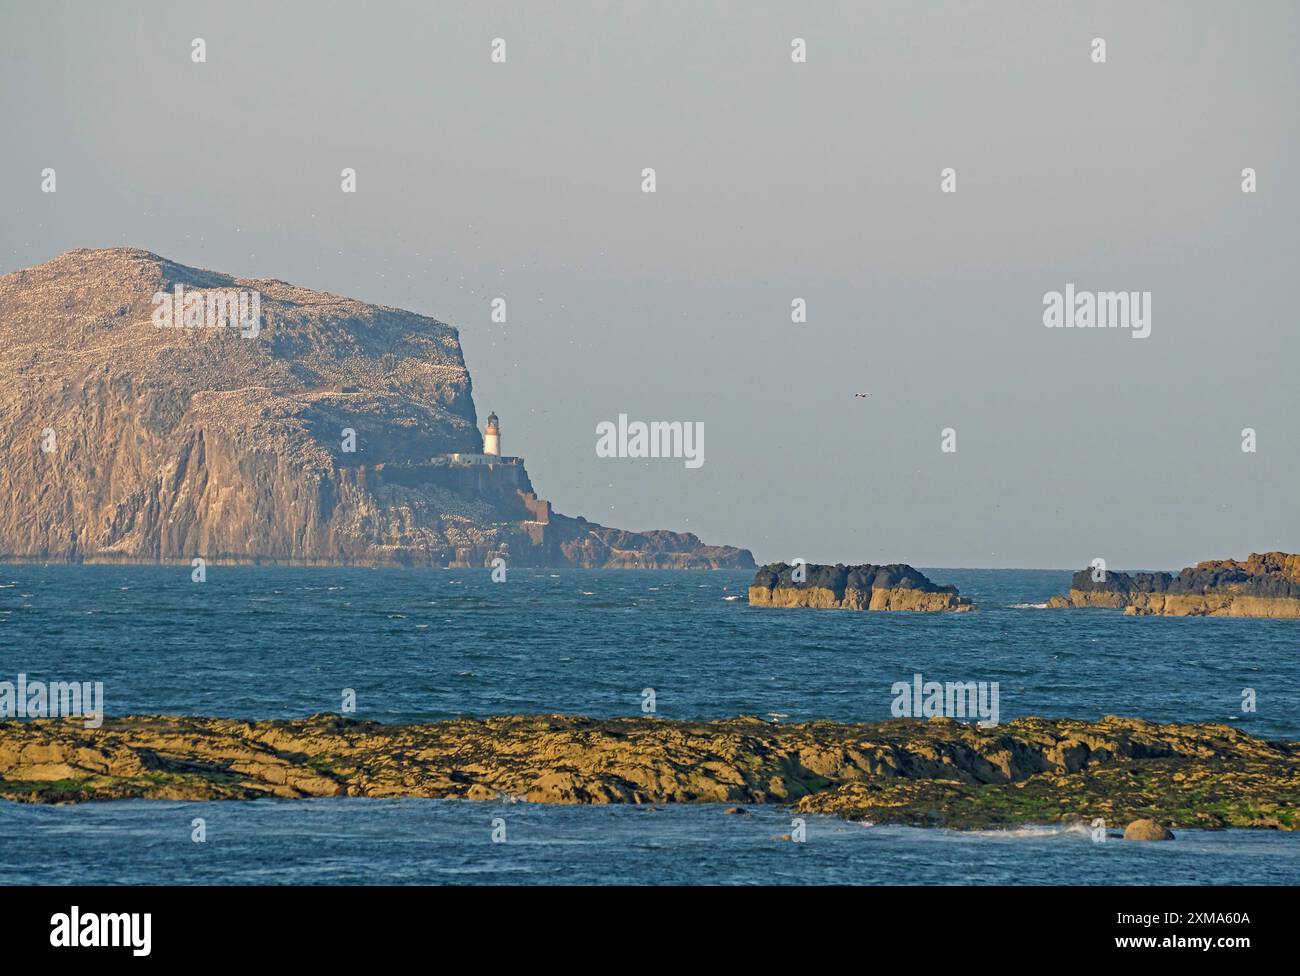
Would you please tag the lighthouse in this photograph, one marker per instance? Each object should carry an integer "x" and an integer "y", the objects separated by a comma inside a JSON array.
[{"x": 492, "y": 439}]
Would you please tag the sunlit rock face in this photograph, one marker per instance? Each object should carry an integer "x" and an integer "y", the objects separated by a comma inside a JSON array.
[
  {"x": 840, "y": 587},
  {"x": 1264, "y": 585}
]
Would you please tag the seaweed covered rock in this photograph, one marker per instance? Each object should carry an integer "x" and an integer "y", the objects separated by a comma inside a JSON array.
[{"x": 907, "y": 771}]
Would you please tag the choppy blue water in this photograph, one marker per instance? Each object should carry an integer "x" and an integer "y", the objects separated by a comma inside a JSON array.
[
  {"x": 421, "y": 645},
  {"x": 411, "y": 841}
]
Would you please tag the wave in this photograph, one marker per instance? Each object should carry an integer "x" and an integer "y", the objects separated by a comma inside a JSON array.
[{"x": 1034, "y": 831}]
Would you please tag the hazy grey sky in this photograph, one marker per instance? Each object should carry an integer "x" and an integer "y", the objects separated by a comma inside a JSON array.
[{"x": 775, "y": 180}]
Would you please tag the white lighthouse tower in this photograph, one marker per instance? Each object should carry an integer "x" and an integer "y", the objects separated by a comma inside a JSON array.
[{"x": 492, "y": 439}]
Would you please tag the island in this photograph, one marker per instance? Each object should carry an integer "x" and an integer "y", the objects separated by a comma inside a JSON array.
[
  {"x": 1264, "y": 585},
  {"x": 158, "y": 413},
  {"x": 865, "y": 587}
]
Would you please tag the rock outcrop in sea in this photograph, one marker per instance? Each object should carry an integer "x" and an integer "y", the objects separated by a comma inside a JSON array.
[
  {"x": 1147, "y": 829},
  {"x": 937, "y": 772},
  {"x": 339, "y": 433},
  {"x": 1265, "y": 585},
  {"x": 866, "y": 587}
]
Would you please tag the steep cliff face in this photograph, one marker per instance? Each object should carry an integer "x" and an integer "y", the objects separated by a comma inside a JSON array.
[
  {"x": 128, "y": 441},
  {"x": 866, "y": 587},
  {"x": 1264, "y": 585}
]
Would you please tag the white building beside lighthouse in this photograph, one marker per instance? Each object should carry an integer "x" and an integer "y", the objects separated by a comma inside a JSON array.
[
  {"x": 491, "y": 455},
  {"x": 490, "y": 476}
]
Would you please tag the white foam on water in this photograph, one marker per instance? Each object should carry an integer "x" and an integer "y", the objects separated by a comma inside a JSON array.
[{"x": 1033, "y": 831}]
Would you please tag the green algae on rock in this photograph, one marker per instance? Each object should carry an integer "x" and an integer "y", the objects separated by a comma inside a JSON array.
[{"x": 928, "y": 773}]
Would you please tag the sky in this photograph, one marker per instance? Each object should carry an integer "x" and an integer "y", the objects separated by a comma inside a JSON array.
[{"x": 775, "y": 180}]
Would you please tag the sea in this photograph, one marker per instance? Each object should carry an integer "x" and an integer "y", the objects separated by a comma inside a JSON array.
[{"x": 421, "y": 645}]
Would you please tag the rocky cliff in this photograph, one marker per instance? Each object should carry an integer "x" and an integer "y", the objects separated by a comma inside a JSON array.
[
  {"x": 1264, "y": 585},
  {"x": 131, "y": 439},
  {"x": 930, "y": 773},
  {"x": 894, "y": 587}
]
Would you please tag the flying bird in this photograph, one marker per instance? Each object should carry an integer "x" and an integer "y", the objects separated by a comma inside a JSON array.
[{"x": 862, "y": 395}]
